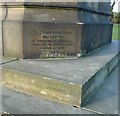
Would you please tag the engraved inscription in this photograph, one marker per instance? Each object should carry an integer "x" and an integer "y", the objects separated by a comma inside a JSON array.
[
  {"x": 52, "y": 35},
  {"x": 53, "y": 44},
  {"x": 47, "y": 44}
]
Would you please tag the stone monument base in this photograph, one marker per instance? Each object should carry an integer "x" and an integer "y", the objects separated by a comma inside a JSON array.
[{"x": 34, "y": 30}]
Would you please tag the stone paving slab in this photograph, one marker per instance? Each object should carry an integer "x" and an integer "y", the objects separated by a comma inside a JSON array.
[
  {"x": 106, "y": 99},
  {"x": 66, "y": 81},
  {"x": 17, "y": 103}
]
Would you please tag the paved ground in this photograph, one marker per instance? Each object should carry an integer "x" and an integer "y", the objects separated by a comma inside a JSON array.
[{"x": 17, "y": 103}]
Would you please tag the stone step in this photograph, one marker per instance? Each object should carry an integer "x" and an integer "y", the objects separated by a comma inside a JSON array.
[
  {"x": 67, "y": 81},
  {"x": 105, "y": 101}
]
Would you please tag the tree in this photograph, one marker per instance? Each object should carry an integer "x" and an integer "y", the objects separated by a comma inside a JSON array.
[
  {"x": 115, "y": 18},
  {"x": 113, "y": 4}
]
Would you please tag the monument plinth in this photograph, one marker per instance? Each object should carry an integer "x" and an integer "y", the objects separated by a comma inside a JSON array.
[
  {"x": 58, "y": 30},
  {"x": 55, "y": 30}
]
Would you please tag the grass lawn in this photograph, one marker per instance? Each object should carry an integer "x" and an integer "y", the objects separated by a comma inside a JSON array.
[{"x": 116, "y": 29}]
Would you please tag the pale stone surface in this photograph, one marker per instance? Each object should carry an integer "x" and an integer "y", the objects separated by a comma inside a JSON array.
[
  {"x": 0, "y": 39},
  {"x": 0, "y": 89}
]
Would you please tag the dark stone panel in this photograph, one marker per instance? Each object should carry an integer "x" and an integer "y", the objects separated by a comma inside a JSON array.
[
  {"x": 51, "y": 40},
  {"x": 95, "y": 36},
  {"x": 91, "y": 18}
]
